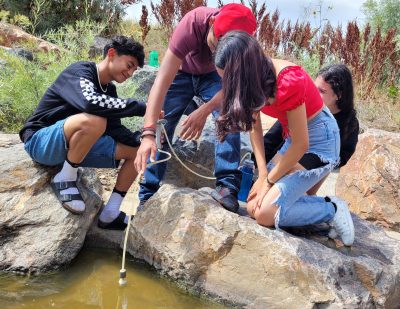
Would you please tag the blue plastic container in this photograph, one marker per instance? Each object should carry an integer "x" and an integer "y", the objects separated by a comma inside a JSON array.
[{"x": 247, "y": 170}]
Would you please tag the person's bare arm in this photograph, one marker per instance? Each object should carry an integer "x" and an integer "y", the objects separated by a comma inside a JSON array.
[
  {"x": 297, "y": 120},
  {"x": 257, "y": 143},
  {"x": 168, "y": 69}
]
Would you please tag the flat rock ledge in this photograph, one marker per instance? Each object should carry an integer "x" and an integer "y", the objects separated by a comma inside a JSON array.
[{"x": 186, "y": 236}]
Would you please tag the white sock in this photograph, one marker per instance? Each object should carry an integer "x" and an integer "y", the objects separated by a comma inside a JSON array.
[
  {"x": 111, "y": 210},
  {"x": 67, "y": 173},
  {"x": 70, "y": 173}
]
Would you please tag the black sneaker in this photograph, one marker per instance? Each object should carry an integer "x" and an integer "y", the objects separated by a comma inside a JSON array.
[
  {"x": 227, "y": 198},
  {"x": 117, "y": 224}
]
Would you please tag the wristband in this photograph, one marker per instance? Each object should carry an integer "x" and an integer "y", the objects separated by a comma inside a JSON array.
[
  {"x": 149, "y": 129},
  {"x": 147, "y": 134},
  {"x": 269, "y": 182}
]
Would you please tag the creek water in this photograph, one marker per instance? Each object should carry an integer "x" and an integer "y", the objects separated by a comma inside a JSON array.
[{"x": 91, "y": 281}]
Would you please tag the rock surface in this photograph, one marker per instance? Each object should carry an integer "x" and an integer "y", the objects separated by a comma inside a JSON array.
[
  {"x": 185, "y": 235},
  {"x": 20, "y": 52},
  {"x": 370, "y": 181},
  {"x": 199, "y": 158},
  {"x": 12, "y": 36},
  {"x": 97, "y": 48},
  {"x": 143, "y": 80},
  {"x": 188, "y": 237},
  {"x": 36, "y": 233}
]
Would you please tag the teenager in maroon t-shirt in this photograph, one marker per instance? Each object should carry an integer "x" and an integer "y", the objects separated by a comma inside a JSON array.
[{"x": 187, "y": 70}]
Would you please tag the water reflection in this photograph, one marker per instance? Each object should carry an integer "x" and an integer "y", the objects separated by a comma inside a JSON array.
[{"x": 92, "y": 282}]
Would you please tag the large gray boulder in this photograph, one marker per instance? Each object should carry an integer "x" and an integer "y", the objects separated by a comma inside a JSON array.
[
  {"x": 185, "y": 235},
  {"x": 97, "y": 48},
  {"x": 20, "y": 52},
  {"x": 36, "y": 233},
  {"x": 370, "y": 181},
  {"x": 143, "y": 80}
]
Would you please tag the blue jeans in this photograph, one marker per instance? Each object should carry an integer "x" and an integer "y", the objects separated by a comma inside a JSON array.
[
  {"x": 227, "y": 153},
  {"x": 296, "y": 208},
  {"x": 48, "y": 146}
]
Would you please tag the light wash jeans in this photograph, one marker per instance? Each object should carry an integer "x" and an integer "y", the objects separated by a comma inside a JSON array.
[
  {"x": 227, "y": 153},
  {"x": 296, "y": 208}
]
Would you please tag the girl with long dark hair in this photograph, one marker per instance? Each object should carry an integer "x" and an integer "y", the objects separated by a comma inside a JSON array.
[
  {"x": 254, "y": 83},
  {"x": 335, "y": 85}
]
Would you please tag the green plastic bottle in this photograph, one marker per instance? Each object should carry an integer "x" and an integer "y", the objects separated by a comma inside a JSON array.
[{"x": 153, "y": 58}]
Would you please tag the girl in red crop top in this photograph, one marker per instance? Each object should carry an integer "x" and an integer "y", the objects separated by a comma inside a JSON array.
[
  {"x": 254, "y": 83},
  {"x": 294, "y": 87}
]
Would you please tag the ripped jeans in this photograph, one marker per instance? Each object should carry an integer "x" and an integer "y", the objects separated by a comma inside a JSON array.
[{"x": 295, "y": 207}]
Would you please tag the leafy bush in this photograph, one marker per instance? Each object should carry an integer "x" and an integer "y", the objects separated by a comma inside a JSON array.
[
  {"x": 18, "y": 19},
  {"x": 383, "y": 13},
  {"x": 76, "y": 39},
  {"x": 154, "y": 39},
  {"x": 23, "y": 83},
  {"x": 45, "y": 14}
]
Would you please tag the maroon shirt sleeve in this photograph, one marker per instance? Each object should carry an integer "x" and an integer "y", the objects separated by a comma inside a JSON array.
[{"x": 191, "y": 31}]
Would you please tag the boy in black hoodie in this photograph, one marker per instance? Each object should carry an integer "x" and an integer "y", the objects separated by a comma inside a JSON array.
[{"x": 78, "y": 123}]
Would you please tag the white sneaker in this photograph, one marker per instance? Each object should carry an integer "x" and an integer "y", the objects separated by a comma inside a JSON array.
[
  {"x": 342, "y": 222},
  {"x": 332, "y": 233}
]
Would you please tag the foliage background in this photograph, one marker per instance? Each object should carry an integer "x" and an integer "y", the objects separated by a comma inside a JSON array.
[{"x": 372, "y": 50}]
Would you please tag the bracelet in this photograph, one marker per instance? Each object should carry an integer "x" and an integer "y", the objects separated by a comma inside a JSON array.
[
  {"x": 147, "y": 134},
  {"x": 269, "y": 182},
  {"x": 150, "y": 129}
]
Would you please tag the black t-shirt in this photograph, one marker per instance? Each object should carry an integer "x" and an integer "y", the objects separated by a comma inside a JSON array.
[{"x": 77, "y": 90}]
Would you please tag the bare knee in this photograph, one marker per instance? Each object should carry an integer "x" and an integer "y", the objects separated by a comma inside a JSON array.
[
  {"x": 84, "y": 126},
  {"x": 266, "y": 215},
  {"x": 92, "y": 124},
  {"x": 250, "y": 206}
]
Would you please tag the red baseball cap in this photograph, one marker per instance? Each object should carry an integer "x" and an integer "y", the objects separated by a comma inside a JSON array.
[{"x": 234, "y": 16}]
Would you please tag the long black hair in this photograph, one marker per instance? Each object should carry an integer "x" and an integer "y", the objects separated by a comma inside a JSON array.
[
  {"x": 338, "y": 76},
  {"x": 248, "y": 81}
]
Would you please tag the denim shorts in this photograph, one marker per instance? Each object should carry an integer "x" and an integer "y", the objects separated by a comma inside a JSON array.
[
  {"x": 323, "y": 138},
  {"x": 324, "y": 141},
  {"x": 49, "y": 147}
]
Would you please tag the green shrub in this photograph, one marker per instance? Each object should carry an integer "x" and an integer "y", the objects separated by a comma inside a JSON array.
[
  {"x": 4, "y": 15},
  {"x": 393, "y": 92},
  {"x": 76, "y": 39},
  {"x": 45, "y": 15},
  {"x": 23, "y": 83},
  {"x": 21, "y": 21}
]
